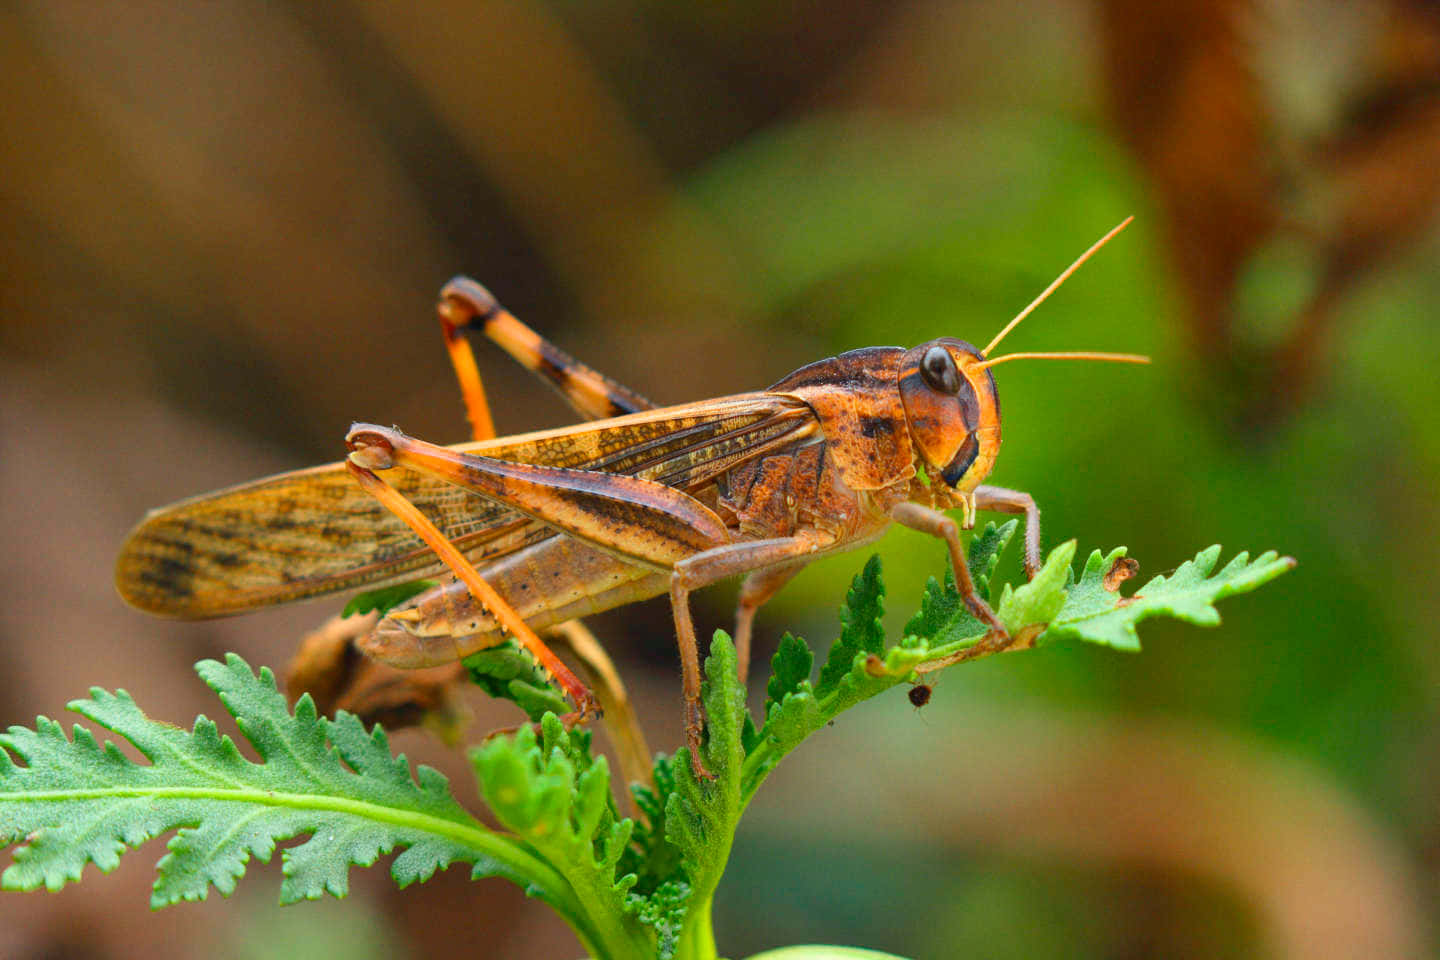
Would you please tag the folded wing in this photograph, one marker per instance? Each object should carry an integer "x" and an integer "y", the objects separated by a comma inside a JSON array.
[{"x": 314, "y": 532}]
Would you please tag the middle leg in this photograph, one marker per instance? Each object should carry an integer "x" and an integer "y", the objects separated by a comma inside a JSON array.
[
  {"x": 756, "y": 589},
  {"x": 758, "y": 557}
]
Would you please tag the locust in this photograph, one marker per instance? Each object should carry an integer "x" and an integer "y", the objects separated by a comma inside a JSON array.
[{"x": 637, "y": 501}]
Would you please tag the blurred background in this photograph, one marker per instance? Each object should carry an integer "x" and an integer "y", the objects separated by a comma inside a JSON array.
[{"x": 223, "y": 226}]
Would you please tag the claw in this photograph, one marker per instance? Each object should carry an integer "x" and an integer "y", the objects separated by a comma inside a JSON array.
[
  {"x": 984, "y": 614},
  {"x": 587, "y": 710}
]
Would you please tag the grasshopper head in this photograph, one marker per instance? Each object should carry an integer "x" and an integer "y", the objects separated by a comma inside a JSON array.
[
  {"x": 953, "y": 411},
  {"x": 951, "y": 403}
]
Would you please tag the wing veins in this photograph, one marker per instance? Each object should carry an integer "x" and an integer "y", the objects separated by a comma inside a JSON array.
[{"x": 184, "y": 560}]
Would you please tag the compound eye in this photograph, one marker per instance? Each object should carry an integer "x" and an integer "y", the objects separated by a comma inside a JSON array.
[{"x": 937, "y": 368}]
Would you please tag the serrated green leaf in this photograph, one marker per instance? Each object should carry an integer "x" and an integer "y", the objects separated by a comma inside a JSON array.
[
  {"x": 942, "y": 629},
  {"x": 1097, "y": 615},
  {"x": 749, "y": 734},
  {"x": 701, "y": 815},
  {"x": 789, "y": 668},
  {"x": 385, "y": 598},
  {"x": 661, "y": 895},
  {"x": 1087, "y": 597},
  {"x": 983, "y": 554},
  {"x": 789, "y": 707},
  {"x": 627, "y": 889},
  {"x": 863, "y": 630},
  {"x": 664, "y": 911},
  {"x": 75, "y": 802},
  {"x": 787, "y": 723},
  {"x": 556, "y": 797}
]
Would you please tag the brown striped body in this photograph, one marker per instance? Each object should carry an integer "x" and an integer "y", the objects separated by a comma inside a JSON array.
[
  {"x": 547, "y": 583},
  {"x": 794, "y": 491}
]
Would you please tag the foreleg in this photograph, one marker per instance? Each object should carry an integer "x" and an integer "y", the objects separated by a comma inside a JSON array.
[{"x": 1002, "y": 500}]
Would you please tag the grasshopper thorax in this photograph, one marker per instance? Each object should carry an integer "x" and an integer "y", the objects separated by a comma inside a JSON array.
[{"x": 952, "y": 409}]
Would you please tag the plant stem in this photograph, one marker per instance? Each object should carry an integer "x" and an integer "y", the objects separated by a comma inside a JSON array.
[{"x": 698, "y": 941}]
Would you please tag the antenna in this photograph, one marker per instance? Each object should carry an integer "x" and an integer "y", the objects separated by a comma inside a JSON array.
[
  {"x": 1086, "y": 355},
  {"x": 1051, "y": 289}
]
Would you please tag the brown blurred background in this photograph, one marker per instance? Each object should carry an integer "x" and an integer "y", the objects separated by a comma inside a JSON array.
[{"x": 223, "y": 225}]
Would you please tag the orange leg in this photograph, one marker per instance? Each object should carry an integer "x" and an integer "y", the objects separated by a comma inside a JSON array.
[
  {"x": 586, "y": 706},
  {"x": 462, "y": 358},
  {"x": 466, "y": 305},
  {"x": 620, "y": 719}
]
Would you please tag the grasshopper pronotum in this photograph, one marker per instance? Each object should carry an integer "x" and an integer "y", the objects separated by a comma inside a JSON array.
[{"x": 544, "y": 527}]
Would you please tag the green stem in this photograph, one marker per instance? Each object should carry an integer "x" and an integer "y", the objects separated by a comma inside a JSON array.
[
  {"x": 698, "y": 941},
  {"x": 617, "y": 935}
]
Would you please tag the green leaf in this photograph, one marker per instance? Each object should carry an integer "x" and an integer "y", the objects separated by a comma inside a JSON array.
[
  {"x": 943, "y": 629},
  {"x": 655, "y": 859},
  {"x": 1035, "y": 604},
  {"x": 1097, "y": 615},
  {"x": 627, "y": 889},
  {"x": 553, "y": 795},
  {"x": 385, "y": 598},
  {"x": 790, "y": 667},
  {"x": 863, "y": 631},
  {"x": 75, "y": 802},
  {"x": 661, "y": 895},
  {"x": 701, "y": 814},
  {"x": 794, "y": 709},
  {"x": 664, "y": 910},
  {"x": 983, "y": 554}
]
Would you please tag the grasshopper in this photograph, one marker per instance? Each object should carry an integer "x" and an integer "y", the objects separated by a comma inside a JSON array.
[{"x": 544, "y": 527}]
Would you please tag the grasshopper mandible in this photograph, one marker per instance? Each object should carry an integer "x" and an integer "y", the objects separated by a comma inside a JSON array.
[{"x": 544, "y": 527}]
